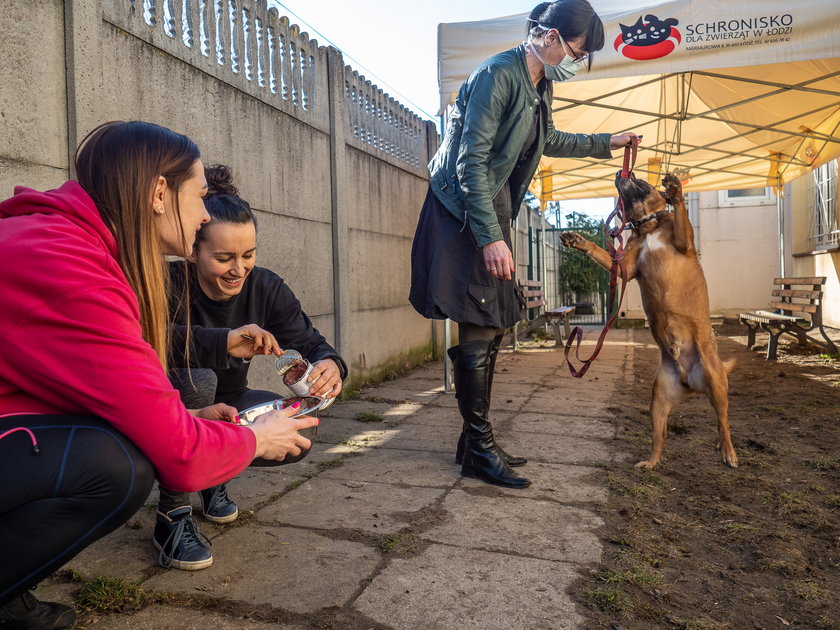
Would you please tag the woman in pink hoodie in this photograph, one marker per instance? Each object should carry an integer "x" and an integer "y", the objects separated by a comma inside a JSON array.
[{"x": 88, "y": 417}]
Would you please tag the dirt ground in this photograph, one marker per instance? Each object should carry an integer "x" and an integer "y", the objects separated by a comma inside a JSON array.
[{"x": 694, "y": 544}]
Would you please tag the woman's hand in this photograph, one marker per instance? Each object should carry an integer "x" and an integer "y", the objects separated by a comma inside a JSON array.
[
  {"x": 498, "y": 260},
  {"x": 246, "y": 341},
  {"x": 277, "y": 433},
  {"x": 621, "y": 140},
  {"x": 325, "y": 378},
  {"x": 219, "y": 411}
]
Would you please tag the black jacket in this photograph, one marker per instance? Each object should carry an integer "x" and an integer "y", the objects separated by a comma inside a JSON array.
[{"x": 265, "y": 300}]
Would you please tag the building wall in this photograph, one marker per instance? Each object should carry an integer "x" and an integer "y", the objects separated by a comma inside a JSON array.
[
  {"x": 334, "y": 167},
  {"x": 805, "y": 261}
]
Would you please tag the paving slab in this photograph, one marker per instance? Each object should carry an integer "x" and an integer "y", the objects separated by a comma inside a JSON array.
[
  {"x": 448, "y": 587},
  {"x": 281, "y": 567},
  {"x": 564, "y": 422},
  {"x": 425, "y": 437},
  {"x": 375, "y": 508},
  {"x": 556, "y": 449},
  {"x": 564, "y": 533},
  {"x": 397, "y": 466},
  {"x": 162, "y": 617},
  {"x": 556, "y": 482}
]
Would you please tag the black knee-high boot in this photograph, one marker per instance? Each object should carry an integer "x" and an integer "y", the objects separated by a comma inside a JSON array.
[
  {"x": 481, "y": 456},
  {"x": 512, "y": 460}
]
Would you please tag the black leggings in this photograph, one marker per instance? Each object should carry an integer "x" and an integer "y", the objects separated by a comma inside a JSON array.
[
  {"x": 87, "y": 480},
  {"x": 473, "y": 332}
]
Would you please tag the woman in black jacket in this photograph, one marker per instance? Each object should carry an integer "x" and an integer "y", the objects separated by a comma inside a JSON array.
[
  {"x": 462, "y": 267},
  {"x": 236, "y": 310}
]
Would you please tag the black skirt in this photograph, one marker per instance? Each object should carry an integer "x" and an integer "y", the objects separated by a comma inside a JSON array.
[{"x": 448, "y": 275}]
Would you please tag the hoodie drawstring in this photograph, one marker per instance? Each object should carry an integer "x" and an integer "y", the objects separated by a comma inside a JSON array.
[{"x": 35, "y": 449}]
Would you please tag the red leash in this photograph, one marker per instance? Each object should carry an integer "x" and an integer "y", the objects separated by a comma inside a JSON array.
[{"x": 615, "y": 246}]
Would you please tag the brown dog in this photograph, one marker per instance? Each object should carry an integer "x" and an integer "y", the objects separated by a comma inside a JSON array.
[{"x": 660, "y": 254}]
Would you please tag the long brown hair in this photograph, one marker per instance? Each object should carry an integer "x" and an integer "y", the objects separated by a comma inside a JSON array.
[{"x": 118, "y": 165}]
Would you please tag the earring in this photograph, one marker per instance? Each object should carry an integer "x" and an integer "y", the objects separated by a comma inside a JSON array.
[{"x": 160, "y": 210}]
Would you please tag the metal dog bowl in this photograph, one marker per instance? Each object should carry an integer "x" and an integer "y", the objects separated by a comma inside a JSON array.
[{"x": 309, "y": 404}]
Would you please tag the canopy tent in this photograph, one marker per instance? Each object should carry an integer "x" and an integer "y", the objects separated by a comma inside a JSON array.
[{"x": 727, "y": 94}]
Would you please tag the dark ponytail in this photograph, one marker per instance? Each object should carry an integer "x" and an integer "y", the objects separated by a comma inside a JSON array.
[
  {"x": 223, "y": 203},
  {"x": 572, "y": 19}
]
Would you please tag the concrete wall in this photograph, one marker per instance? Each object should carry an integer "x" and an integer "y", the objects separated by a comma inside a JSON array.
[{"x": 334, "y": 167}]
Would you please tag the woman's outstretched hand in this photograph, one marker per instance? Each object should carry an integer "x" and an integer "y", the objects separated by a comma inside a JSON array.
[
  {"x": 277, "y": 433},
  {"x": 498, "y": 260},
  {"x": 219, "y": 411},
  {"x": 249, "y": 340},
  {"x": 325, "y": 378},
  {"x": 621, "y": 140}
]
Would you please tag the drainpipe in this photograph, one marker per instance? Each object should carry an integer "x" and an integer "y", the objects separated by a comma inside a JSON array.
[{"x": 780, "y": 220}]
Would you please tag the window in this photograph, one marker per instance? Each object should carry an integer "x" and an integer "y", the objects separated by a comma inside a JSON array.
[
  {"x": 747, "y": 197},
  {"x": 825, "y": 226}
]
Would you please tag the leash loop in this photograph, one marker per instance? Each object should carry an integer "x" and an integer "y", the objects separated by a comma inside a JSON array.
[{"x": 615, "y": 247}]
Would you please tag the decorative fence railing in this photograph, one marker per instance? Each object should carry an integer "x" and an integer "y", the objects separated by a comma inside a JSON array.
[{"x": 248, "y": 45}]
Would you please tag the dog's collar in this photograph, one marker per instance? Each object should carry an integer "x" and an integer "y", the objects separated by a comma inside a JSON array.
[{"x": 632, "y": 225}]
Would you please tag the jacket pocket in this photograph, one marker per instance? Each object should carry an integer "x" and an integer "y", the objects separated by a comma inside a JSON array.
[{"x": 484, "y": 297}]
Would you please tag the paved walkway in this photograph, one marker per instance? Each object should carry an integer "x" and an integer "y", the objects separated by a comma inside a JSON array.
[{"x": 376, "y": 528}]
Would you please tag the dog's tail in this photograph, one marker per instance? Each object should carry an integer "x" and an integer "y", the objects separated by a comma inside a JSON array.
[{"x": 729, "y": 364}]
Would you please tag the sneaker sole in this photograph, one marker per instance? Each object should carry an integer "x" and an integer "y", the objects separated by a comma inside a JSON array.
[
  {"x": 185, "y": 565},
  {"x": 221, "y": 519}
]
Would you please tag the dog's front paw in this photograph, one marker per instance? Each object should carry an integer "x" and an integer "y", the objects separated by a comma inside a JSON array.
[
  {"x": 673, "y": 187},
  {"x": 573, "y": 239},
  {"x": 647, "y": 464}
]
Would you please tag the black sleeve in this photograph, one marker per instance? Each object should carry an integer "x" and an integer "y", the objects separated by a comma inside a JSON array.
[
  {"x": 208, "y": 347},
  {"x": 293, "y": 330}
]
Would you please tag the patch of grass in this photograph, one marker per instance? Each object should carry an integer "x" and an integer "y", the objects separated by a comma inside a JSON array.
[
  {"x": 791, "y": 502},
  {"x": 607, "y": 600},
  {"x": 326, "y": 464},
  {"x": 807, "y": 590},
  {"x": 826, "y": 623},
  {"x": 398, "y": 543},
  {"x": 368, "y": 416},
  {"x": 738, "y": 528},
  {"x": 832, "y": 502},
  {"x": 824, "y": 464},
  {"x": 108, "y": 594},
  {"x": 635, "y": 577},
  {"x": 772, "y": 410}
]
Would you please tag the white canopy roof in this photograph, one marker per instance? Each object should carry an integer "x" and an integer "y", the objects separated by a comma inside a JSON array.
[{"x": 727, "y": 94}]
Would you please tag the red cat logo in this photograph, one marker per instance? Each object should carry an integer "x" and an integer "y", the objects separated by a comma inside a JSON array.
[{"x": 650, "y": 38}]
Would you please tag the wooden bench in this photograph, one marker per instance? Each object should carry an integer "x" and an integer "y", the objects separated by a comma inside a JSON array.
[
  {"x": 798, "y": 311},
  {"x": 532, "y": 291}
]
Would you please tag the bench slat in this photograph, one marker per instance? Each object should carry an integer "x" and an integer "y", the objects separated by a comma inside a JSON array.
[
  {"x": 797, "y": 293},
  {"x": 530, "y": 283},
  {"x": 814, "y": 280},
  {"x": 534, "y": 303},
  {"x": 563, "y": 310},
  {"x": 795, "y": 308},
  {"x": 532, "y": 294}
]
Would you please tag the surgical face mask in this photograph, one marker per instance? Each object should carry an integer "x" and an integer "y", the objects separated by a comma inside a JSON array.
[{"x": 562, "y": 71}]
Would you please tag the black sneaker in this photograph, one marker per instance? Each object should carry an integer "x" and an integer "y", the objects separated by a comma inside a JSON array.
[
  {"x": 181, "y": 544},
  {"x": 27, "y": 613},
  {"x": 217, "y": 505}
]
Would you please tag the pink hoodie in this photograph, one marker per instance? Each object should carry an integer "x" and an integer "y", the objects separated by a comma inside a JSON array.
[{"x": 71, "y": 343}]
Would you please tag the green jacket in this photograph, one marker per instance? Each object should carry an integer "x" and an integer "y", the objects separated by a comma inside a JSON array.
[{"x": 484, "y": 137}]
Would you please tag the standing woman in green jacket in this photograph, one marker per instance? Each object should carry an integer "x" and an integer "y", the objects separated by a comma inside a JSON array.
[{"x": 462, "y": 267}]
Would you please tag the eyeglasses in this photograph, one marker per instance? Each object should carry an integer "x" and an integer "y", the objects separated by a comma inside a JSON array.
[{"x": 576, "y": 57}]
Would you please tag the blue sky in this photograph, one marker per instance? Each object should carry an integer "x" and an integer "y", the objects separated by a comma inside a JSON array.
[{"x": 394, "y": 44}]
